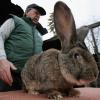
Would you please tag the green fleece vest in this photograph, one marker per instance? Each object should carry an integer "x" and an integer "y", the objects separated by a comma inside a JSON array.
[{"x": 23, "y": 42}]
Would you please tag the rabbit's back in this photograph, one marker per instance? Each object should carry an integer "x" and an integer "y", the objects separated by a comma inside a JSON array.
[{"x": 44, "y": 68}]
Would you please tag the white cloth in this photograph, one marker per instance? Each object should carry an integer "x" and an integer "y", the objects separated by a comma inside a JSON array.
[{"x": 5, "y": 31}]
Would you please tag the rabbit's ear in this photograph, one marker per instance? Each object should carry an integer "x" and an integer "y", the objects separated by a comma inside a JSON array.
[{"x": 64, "y": 25}]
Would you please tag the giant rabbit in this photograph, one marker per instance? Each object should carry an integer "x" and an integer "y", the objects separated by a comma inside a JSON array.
[{"x": 55, "y": 72}]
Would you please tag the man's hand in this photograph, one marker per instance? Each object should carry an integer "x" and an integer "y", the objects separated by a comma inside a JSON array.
[{"x": 5, "y": 71}]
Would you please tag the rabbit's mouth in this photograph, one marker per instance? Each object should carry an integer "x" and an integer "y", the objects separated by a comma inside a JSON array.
[{"x": 85, "y": 82}]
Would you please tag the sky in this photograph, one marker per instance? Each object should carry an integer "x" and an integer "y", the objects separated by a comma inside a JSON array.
[{"x": 84, "y": 11}]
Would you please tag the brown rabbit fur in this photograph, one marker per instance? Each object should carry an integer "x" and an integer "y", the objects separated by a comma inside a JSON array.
[{"x": 54, "y": 72}]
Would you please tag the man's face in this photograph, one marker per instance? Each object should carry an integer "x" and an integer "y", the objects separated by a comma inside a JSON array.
[{"x": 34, "y": 15}]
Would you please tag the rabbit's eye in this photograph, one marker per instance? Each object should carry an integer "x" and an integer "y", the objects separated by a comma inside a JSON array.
[{"x": 76, "y": 55}]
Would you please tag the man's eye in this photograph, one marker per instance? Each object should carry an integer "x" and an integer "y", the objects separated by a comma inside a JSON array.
[{"x": 37, "y": 13}]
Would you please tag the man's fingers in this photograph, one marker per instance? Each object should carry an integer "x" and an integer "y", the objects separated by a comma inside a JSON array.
[
  {"x": 5, "y": 78},
  {"x": 9, "y": 76},
  {"x": 5, "y": 71},
  {"x": 12, "y": 66}
]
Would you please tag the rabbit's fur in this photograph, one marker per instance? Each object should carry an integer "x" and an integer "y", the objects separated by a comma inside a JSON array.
[{"x": 56, "y": 72}]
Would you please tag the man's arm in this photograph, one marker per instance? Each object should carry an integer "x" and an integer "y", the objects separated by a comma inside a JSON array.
[
  {"x": 5, "y": 31},
  {"x": 5, "y": 65}
]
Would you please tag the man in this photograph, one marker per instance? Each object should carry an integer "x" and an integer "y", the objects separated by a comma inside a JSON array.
[{"x": 19, "y": 39}]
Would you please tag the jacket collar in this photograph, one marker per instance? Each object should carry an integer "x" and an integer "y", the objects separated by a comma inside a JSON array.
[{"x": 28, "y": 20}]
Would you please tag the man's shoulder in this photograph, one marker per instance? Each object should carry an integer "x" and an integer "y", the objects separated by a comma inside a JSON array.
[{"x": 14, "y": 16}]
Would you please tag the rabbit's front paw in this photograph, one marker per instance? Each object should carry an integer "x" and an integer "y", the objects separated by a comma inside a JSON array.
[
  {"x": 33, "y": 92},
  {"x": 55, "y": 95}
]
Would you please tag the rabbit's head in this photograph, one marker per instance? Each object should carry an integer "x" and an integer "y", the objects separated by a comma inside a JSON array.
[{"x": 76, "y": 62}]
